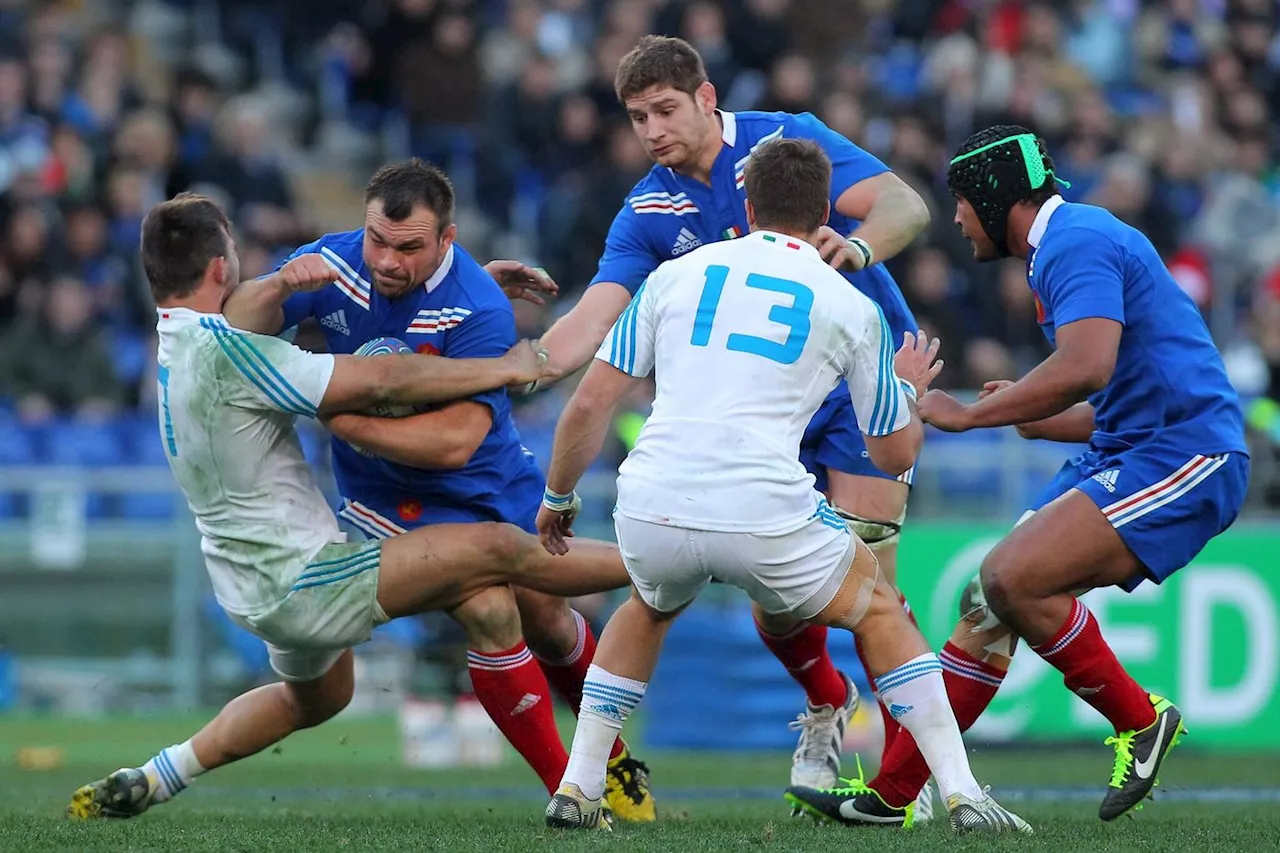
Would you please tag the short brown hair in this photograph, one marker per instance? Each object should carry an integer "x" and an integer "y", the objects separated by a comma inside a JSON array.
[
  {"x": 180, "y": 237},
  {"x": 659, "y": 61},
  {"x": 403, "y": 186},
  {"x": 788, "y": 183}
]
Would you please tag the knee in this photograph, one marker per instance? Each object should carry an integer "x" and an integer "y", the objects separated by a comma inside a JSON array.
[
  {"x": 1002, "y": 582},
  {"x": 506, "y": 544},
  {"x": 490, "y": 619},
  {"x": 549, "y": 626}
]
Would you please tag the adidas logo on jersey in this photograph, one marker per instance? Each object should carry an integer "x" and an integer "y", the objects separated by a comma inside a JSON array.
[
  {"x": 686, "y": 241},
  {"x": 337, "y": 321},
  {"x": 526, "y": 702},
  {"x": 1108, "y": 479}
]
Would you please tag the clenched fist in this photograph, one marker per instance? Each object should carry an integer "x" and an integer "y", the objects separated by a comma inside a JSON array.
[{"x": 307, "y": 272}]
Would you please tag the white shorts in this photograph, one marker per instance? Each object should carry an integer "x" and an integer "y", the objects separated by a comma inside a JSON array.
[
  {"x": 797, "y": 572},
  {"x": 332, "y": 606}
]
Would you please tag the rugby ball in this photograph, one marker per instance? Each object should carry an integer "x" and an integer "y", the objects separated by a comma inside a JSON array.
[{"x": 386, "y": 346}]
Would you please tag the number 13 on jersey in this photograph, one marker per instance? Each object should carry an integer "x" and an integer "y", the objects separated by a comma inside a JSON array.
[{"x": 795, "y": 316}]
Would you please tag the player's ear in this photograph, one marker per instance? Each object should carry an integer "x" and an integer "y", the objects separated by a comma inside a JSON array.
[
  {"x": 826, "y": 214},
  {"x": 449, "y": 235},
  {"x": 705, "y": 97},
  {"x": 751, "y": 215},
  {"x": 217, "y": 270}
]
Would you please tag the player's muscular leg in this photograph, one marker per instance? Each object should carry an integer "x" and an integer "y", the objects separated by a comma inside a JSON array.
[
  {"x": 867, "y": 605},
  {"x": 1032, "y": 577},
  {"x": 490, "y": 619},
  {"x": 549, "y": 626},
  {"x": 255, "y": 720},
  {"x": 439, "y": 567},
  {"x": 632, "y": 640}
]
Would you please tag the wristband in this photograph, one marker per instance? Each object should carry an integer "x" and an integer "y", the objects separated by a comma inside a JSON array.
[
  {"x": 557, "y": 502},
  {"x": 530, "y": 388},
  {"x": 908, "y": 389},
  {"x": 868, "y": 256}
]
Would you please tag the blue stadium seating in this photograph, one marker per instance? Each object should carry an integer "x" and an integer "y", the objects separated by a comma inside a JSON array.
[
  {"x": 17, "y": 447},
  {"x": 143, "y": 447}
]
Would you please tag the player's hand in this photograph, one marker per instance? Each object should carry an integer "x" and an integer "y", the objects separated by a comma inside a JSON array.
[
  {"x": 993, "y": 386},
  {"x": 940, "y": 409},
  {"x": 520, "y": 281},
  {"x": 554, "y": 527},
  {"x": 528, "y": 363},
  {"x": 836, "y": 250},
  {"x": 917, "y": 361},
  {"x": 307, "y": 272}
]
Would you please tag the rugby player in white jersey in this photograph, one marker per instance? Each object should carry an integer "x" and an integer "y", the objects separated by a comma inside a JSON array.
[
  {"x": 278, "y": 563},
  {"x": 746, "y": 338}
]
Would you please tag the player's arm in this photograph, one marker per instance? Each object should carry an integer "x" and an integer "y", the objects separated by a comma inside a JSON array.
[
  {"x": 627, "y": 261},
  {"x": 1074, "y": 426},
  {"x": 862, "y": 188},
  {"x": 444, "y": 438},
  {"x": 622, "y": 361},
  {"x": 1085, "y": 295},
  {"x": 259, "y": 305},
  {"x": 267, "y": 373},
  {"x": 574, "y": 338},
  {"x": 883, "y": 402},
  {"x": 448, "y": 437}
]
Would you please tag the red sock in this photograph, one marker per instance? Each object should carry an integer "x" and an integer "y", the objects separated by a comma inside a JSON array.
[
  {"x": 515, "y": 693},
  {"x": 567, "y": 674},
  {"x": 1090, "y": 670},
  {"x": 803, "y": 652},
  {"x": 971, "y": 685}
]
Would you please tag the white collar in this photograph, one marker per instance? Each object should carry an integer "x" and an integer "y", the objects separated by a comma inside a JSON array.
[
  {"x": 783, "y": 241},
  {"x": 730, "y": 131},
  {"x": 1041, "y": 222},
  {"x": 441, "y": 271},
  {"x": 168, "y": 319}
]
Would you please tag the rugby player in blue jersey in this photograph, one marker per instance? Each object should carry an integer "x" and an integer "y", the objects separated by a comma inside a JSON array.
[{"x": 1136, "y": 375}]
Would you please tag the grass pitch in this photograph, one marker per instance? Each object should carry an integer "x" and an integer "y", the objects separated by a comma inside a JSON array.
[{"x": 342, "y": 787}]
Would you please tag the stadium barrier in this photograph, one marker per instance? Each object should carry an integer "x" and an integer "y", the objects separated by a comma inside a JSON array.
[{"x": 1209, "y": 638}]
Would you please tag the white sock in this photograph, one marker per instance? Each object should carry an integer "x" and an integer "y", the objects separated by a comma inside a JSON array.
[
  {"x": 916, "y": 697},
  {"x": 172, "y": 770},
  {"x": 607, "y": 701}
]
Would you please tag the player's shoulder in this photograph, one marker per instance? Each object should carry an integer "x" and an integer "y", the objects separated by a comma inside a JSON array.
[
  {"x": 754, "y": 127},
  {"x": 346, "y": 245},
  {"x": 469, "y": 286},
  {"x": 1074, "y": 224},
  {"x": 657, "y": 192}
]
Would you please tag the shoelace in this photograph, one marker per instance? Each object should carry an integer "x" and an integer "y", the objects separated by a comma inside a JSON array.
[
  {"x": 854, "y": 786},
  {"x": 1124, "y": 757},
  {"x": 808, "y": 724},
  {"x": 631, "y": 774}
]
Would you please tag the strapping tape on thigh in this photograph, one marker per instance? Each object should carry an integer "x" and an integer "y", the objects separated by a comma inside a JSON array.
[{"x": 876, "y": 534}]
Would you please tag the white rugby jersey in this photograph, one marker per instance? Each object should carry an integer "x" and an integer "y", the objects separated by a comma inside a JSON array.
[
  {"x": 746, "y": 338},
  {"x": 227, "y": 403}
]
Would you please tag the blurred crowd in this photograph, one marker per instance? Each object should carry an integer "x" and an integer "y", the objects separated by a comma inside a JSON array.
[{"x": 1163, "y": 112}]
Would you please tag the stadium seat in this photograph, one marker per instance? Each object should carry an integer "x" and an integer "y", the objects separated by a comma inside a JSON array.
[
  {"x": 86, "y": 445},
  {"x": 17, "y": 447},
  {"x": 143, "y": 447}
]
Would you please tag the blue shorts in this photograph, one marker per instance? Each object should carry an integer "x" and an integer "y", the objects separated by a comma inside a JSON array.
[
  {"x": 379, "y": 517},
  {"x": 1166, "y": 503},
  {"x": 833, "y": 440}
]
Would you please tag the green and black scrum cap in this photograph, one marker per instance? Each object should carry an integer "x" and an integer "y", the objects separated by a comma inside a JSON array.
[{"x": 995, "y": 169}]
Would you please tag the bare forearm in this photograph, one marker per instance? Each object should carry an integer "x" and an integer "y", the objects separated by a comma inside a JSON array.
[
  {"x": 1075, "y": 425},
  {"x": 257, "y": 305},
  {"x": 568, "y": 345},
  {"x": 419, "y": 441},
  {"x": 894, "y": 221},
  {"x": 579, "y": 437},
  {"x": 1050, "y": 389},
  {"x": 435, "y": 379}
]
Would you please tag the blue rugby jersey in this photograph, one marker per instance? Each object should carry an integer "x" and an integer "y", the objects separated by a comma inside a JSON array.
[
  {"x": 668, "y": 214},
  {"x": 1169, "y": 384},
  {"x": 460, "y": 312}
]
